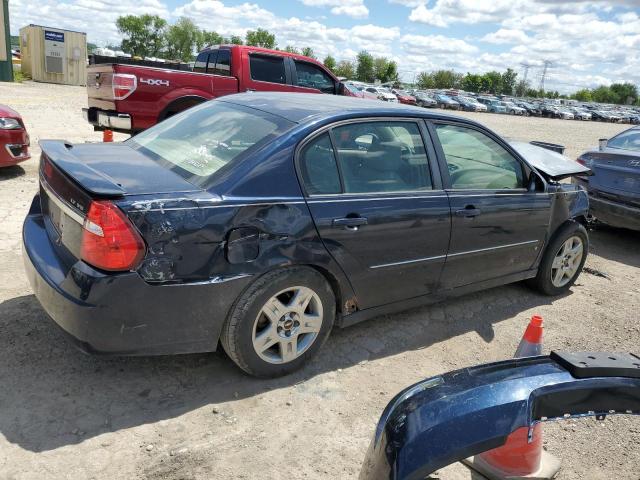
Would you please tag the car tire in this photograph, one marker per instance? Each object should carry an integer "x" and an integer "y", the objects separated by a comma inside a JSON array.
[
  {"x": 559, "y": 269},
  {"x": 248, "y": 328}
]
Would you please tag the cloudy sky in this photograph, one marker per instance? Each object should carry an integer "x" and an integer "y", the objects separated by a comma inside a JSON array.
[{"x": 589, "y": 42}]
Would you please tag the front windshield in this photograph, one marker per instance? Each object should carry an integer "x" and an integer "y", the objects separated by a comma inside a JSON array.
[{"x": 198, "y": 142}]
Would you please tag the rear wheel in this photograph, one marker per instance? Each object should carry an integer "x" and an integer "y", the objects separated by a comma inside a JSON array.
[
  {"x": 280, "y": 322},
  {"x": 563, "y": 260}
]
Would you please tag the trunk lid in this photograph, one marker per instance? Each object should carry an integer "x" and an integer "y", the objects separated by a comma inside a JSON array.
[
  {"x": 615, "y": 171},
  {"x": 113, "y": 169}
]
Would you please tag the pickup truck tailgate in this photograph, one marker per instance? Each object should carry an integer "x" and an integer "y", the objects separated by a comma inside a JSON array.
[{"x": 99, "y": 86}]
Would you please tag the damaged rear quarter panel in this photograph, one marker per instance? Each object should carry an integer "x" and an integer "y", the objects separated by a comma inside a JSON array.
[{"x": 570, "y": 202}]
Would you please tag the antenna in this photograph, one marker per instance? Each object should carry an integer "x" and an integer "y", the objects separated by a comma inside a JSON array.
[{"x": 546, "y": 65}]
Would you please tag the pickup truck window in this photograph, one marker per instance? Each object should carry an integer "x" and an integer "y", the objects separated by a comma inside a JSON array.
[
  {"x": 198, "y": 142},
  {"x": 312, "y": 76},
  {"x": 223, "y": 63},
  {"x": 201, "y": 62},
  {"x": 267, "y": 68}
]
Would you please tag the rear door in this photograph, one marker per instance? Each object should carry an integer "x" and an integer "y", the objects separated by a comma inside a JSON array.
[
  {"x": 266, "y": 72},
  {"x": 374, "y": 191},
  {"x": 498, "y": 226}
]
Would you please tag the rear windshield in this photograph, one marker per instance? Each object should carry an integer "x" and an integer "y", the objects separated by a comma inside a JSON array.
[{"x": 200, "y": 141}]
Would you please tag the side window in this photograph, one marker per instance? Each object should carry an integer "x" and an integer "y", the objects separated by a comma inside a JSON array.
[
  {"x": 318, "y": 167},
  {"x": 213, "y": 55},
  {"x": 382, "y": 157},
  {"x": 223, "y": 63},
  {"x": 201, "y": 62},
  {"x": 312, "y": 76},
  {"x": 475, "y": 161},
  {"x": 266, "y": 68}
]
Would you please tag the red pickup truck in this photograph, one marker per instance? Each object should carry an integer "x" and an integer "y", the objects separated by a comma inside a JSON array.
[{"x": 130, "y": 98}]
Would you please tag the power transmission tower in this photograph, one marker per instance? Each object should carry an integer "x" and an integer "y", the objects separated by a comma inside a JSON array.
[
  {"x": 526, "y": 67},
  {"x": 546, "y": 65}
]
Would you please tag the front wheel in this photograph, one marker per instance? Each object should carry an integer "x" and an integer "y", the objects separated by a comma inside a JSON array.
[
  {"x": 280, "y": 322},
  {"x": 563, "y": 260}
]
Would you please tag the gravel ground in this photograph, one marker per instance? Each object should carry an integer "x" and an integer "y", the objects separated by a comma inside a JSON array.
[{"x": 64, "y": 415}]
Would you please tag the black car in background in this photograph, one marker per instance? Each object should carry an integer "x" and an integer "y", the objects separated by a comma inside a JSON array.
[
  {"x": 424, "y": 100},
  {"x": 531, "y": 109},
  {"x": 614, "y": 188},
  {"x": 261, "y": 220}
]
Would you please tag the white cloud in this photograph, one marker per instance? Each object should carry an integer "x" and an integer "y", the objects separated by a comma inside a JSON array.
[
  {"x": 350, "y": 8},
  {"x": 506, "y": 35}
]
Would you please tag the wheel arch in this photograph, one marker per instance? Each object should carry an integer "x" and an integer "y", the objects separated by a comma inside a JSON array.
[{"x": 179, "y": 104}]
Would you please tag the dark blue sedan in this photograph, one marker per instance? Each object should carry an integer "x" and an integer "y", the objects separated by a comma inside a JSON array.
[
  {"x": 262, "y": 220},
  {"x": 614, "y": 188}
]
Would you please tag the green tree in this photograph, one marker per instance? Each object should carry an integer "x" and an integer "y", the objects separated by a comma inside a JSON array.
[
  {"x": 624, "y": 93},
  {"x": 233, "y": 40},
  {"x": 508, "y": 82},
  {"x": 308, "y": 52},
  {"x": 209, "y": 38},
  {"x": 145, "y": 34},
  {"x": 472, "y": 82},
  {"x": 365, "y": 70},
  {"x": 183, "y": 38},
  {"x": 345, "y": 69},
  {"x": 492, "y": 82},
  {"x": 425, "y": 80},
  {"x": 261, "y": 38},
  {"x": 583, "y": 95},
  {"x": 291, "y": 49},
  {"x": 445, "y": 79},
  {"x": 329, "y": 62},
  {"x": 521, "y": 88},
  {"x": 603, "y": 94},
  {"x": 391, "y": 73}
]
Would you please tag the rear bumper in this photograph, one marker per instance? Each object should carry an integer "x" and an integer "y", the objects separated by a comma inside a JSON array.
[
  {"x": 107, "y": 120},
  {"x": 121, "y": 314},
  {"x": 14, "y": 147},
  {"x": 614, "y": 214}
]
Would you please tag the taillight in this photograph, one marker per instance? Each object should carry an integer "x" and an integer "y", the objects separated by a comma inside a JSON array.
[
  {"x": 109, "y": 240},
  {"x": 123, "y": 85}
]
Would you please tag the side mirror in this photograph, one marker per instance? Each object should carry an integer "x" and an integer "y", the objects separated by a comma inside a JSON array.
[
  {"x": 341, "y": 88},
  {"x": 602, "y": 143}
]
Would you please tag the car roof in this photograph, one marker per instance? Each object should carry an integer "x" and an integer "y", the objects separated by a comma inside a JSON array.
[{"x": 305, "y": 107}]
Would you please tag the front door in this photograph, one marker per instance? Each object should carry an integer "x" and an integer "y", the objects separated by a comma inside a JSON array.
[
  {"x": 498, "y": 226},
  {"x": 377, "y": 203}
]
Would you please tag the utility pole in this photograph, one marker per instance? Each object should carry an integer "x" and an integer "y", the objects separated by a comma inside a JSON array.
[{"x": 546, "y": 65}]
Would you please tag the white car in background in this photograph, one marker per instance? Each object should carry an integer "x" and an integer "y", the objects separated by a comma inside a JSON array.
[
  {"x": 513, "y": 109},
  {"x": 580, "y": 114},
  {"x": 383, "y": 94}
]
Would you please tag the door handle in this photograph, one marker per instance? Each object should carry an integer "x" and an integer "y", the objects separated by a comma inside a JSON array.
[
  {"x": 468, "y": 212},
  {"x": 349, "y": 222}
]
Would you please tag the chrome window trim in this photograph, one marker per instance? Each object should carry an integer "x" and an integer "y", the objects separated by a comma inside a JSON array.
[{"x": 406, "y": 262}]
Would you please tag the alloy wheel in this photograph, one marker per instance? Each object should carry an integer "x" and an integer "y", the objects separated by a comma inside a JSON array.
[
  {"x": 567, "y": 261},
  {"x": 287, "y": 325}
]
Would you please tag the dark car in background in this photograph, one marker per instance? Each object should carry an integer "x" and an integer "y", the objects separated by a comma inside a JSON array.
[
  {"x": 423, "y": 99},
  {"x": 466, "y": 103},
  {"x": 14, "y": 139},
  {"x": 446, "y": 102},
  {"x": 531, "y": 109},
  {"x": 614, "y": 188},
  {"x": 261, "y": 220}
]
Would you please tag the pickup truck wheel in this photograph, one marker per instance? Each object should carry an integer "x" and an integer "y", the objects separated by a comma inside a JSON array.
[
  {"x": 280, "y": 322},
  {"x": 563, "y": 260}
]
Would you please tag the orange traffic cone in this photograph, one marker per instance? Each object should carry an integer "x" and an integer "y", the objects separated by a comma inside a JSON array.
[
  {"x": 520, "y": 457},
  {"x": 107, "y": 135}
]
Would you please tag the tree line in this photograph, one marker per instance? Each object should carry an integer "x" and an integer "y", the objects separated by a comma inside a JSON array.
[{"x": 152, "y": 36}]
